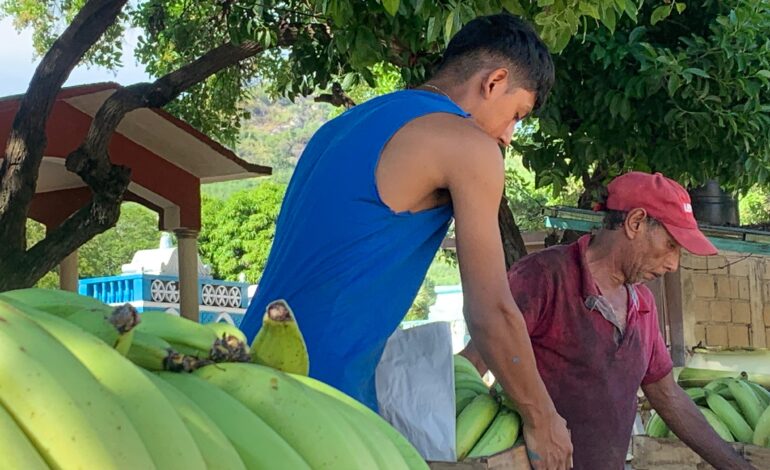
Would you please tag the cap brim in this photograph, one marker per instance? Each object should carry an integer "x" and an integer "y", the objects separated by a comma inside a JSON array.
[{"x": 692, "y": 240}]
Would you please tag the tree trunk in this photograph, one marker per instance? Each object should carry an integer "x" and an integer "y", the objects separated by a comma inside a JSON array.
[
  {"x": 513, "y": 243},
  {"x": 27, "y": 139}
]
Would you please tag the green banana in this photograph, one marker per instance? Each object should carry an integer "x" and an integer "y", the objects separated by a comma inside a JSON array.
[
  {"x": 410, "y": 455},
  {"x": 656, "y": 427},
  {"x": 176, "y": 329},
  {"x": 500, "y": 436},
  {"x": 58, "y": 302},
  {"x": 320, "y": 435},
  {"x": 462, "y": 398},
  {"x": 734, "y": 404},
  {"x": 471, "y": 384},
  {"x": 193, "y": 339},
  {"x": 762, "y": 431},
  {"x": 258, "y": 445},
  {"x": 279, "y": 343},
  {"x": 749, "y": 404},
  {"x": 217, "y": 451},
  {"x": 146, "y": 407},
  {"x": 732, "y": 418},
  {"x": 717, "y": 424},
  {"x": 382, "y": 449},
  {"x": 114, "y": 327},
  {"x": 16, "y": 451},
  {"x": 464, "y": 376},
  {"x": 189, "y": 350},
  {"x": 462, "y": 364},
  {"x": 472, "y": 422},
  {"x": 692, "y": 377},
  {"x": 117, "y": 329},
  {"x": 153, "y": 353},
  {"x": 57, "y": 402},
  {"x": 697, "y": 394},
  {"x": 762, "y": 393},
  {"x": 227, "y": 329}
]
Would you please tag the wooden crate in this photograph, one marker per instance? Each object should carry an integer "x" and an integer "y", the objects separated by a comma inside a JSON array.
[
  {"x": 649, "y": 454},
  {"x": 670, "y": 454},
  {"x": 512, "y": 459}
]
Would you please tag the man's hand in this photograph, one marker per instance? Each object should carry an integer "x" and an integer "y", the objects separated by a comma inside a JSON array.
[{"x": 548, "y": 444}]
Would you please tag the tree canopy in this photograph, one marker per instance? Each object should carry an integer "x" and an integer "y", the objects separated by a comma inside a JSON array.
[
  {"x": 238, "y": 232},
  {"x": 683, "y": 91},
  {"x": 331, "y": 41},
  {"x": 204, "y": 54}
]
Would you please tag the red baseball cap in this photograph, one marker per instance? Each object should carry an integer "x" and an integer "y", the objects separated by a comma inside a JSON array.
[{"x": 664, "y": 200}]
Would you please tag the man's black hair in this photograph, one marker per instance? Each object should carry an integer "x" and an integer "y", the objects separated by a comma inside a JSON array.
[{"x": 488, "y": 39}]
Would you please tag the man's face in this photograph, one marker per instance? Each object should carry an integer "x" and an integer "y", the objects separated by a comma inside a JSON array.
[
  {"x": 653, "y": 253},
  {"x": 503, "y": 107}
]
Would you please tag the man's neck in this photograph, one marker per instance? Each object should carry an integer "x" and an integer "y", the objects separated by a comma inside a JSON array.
[{"x": 604, "y": 261}]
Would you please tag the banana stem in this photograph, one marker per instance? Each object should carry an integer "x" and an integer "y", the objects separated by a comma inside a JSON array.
[
  {"x": 279, "y": 311},
  {"x": 124, "y": 318}
]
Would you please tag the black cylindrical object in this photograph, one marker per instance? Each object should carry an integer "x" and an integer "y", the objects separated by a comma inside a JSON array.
[{"x": 711, "y": 205}]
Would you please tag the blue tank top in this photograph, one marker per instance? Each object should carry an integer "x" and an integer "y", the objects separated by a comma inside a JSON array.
[{"x": 347, "y": 264}]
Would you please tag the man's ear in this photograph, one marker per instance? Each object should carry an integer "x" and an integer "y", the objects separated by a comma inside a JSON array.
[
  {"x": 635, "y": 220},
  {"x": 495, "y": 82}
]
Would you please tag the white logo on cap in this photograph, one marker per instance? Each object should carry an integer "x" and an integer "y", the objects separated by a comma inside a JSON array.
[{"x": 687, "y": 207}]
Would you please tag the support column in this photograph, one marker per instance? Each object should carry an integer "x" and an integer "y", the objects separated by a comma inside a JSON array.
[
  {"x": 188, "y": 273},
  {"x": 68, "y": 273}
]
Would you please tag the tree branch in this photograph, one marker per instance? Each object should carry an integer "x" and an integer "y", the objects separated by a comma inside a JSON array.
[
  {"x": 91, "y": 160},
  {"x": 337, "y": 97},
  {"x": 100, "y": 214},
  {"x": 27, "y": 140}
]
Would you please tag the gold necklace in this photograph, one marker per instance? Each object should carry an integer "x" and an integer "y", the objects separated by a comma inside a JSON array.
[{"x": 428, "y": 85}]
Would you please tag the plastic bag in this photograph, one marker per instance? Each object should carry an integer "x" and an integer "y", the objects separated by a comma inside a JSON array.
[{"x": 415, "y": 388}]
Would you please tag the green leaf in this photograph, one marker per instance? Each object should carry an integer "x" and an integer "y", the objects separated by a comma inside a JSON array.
[
  {"x": 673, "y": 84},
  {"x": 764, "y": 73},
  {"x": 391, "y": 6},
  {"x": 659, "y": 14},
  {"x": 631, "y": 9},
  {"x": 609, "y": 19},
  {"x": 452, "y": 21},
  {"x": 545, "y": 3},
  {"x": 433, "y": 31},
  {"x": 349, "y": 80},
  {"x": 696, "y": 71},
  {"x": 589, "y": 9},
  {"x": 615, "y": 104},
  {"x": 562, "y": 38},
  {"x": 680, "y": 7},
  {"x": 625, "y": 109},
  {"x": 636, "y": 33},
  {"x": 513, "y": 6}
]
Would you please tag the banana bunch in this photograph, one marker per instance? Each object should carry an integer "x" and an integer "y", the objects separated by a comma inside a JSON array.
[
  {"x": 736, "y": 407},
  {"x": 84, "y": 385},
  {"x": 486, "y": 424}
]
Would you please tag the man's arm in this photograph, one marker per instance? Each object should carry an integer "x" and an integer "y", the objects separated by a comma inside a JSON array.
[
  {"x": 475, "y": 181},
  {"x": 686, "y": 421}
]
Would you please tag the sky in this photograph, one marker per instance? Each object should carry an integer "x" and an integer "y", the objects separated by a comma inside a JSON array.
[{"x": 18, "y": 62}]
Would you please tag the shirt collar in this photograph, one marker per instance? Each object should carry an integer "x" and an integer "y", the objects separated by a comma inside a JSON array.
[{"x": 588, "y": 286}]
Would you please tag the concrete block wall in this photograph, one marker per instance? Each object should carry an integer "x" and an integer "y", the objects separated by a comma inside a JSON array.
[{"x": 726, "y": 299}]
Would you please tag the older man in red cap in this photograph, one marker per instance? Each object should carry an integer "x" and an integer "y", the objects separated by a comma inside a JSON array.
[{"x": 594, "y": 326}]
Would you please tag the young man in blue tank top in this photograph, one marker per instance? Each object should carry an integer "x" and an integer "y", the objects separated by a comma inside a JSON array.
[{"x": 371, "y": 199}]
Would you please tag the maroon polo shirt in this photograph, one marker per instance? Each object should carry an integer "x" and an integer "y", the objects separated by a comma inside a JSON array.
[{"x": 591, "y": 370}]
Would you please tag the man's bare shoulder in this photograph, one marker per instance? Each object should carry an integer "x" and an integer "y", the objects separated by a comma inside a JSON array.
[{"x": 455, "y": 133}]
